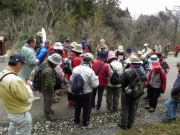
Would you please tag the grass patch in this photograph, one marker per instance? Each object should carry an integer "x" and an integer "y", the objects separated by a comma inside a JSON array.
[{"x": 155, "y": 129}]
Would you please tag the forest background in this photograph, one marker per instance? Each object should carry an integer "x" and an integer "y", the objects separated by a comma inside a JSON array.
[{"x": 95, "y": 19}]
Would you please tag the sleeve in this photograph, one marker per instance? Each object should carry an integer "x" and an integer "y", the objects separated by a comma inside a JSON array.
[
  {"x": 49, "y": 80},
  {"x": 123, "y": 79},
  {"x": 76, "y": 62},
  {"x": 42, "y": 55},
  {"x": 17, "y": 88},
  {"x": 107, "y": 71},
  {"x": 149, "y": 78},
  {"x": 160, "y": 49},
  {"x": 176, "y": 89},
  {"x": 32, "y": 59},
  {"x": 94, "y": 80},
  {"x": 163, "y": 79}
]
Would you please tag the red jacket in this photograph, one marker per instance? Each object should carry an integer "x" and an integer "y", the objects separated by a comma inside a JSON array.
[
  {"x": 163, "y": 78},
  {"x": 76, "y": 62},
  {"x": 104, "y": 72},
  {"x": 176, "y": 48}
]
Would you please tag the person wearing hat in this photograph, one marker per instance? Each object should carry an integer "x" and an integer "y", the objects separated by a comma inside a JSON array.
[
  {"x": 176, "y": 49},
  {"x": 86, "y": 45},
  {"x": 102, "y": 71},
  {"x": 49, "y": 83},
  {"x": 57, "y": 48},
  {"x": 16, "y": 97},
  {"x": 172, "y": 104},
  {"x": 43, "y": 52},
  {"x": 144, "y": 59},
  {"x": 66, "y": 51},
  {"x": 166, "y": 49},
  {"x": 76, "y": 60},
  {"x": 120, "y": 54},
  {"x": 129, "y": 52},
  {"x": 98, "y": 48},
  {"x": 30, "y": 58},
  {"x": 112, "y": 94},
  {"x": 73, "y": 44},
  {"x": 128, "y": 103},
  {"x": 157, "y": 85},
  {"x": 146, "y": 51},
  {"x": 103, "y": 48},
  {"x": 164, "y": 65},
  {"x": 90, "y": 81},
  {"x": 39, "y": 41}
]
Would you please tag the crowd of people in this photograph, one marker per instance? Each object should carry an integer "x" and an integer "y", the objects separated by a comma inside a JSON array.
[{"x": 112, "y": 70}]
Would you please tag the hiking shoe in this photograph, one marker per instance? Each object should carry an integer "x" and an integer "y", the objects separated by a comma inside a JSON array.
[
  {"x": 51, "y": 118},
  {"x": 165, "y": 120},
  {"x": 109, "y": 108},
  {"x": 151, "y": 109},
  {"x": 99, "y": 109},
  {"x": 122, "y": 126},
  {"x": 36, "y": 98},
  {"x": 147, "y": 107}
]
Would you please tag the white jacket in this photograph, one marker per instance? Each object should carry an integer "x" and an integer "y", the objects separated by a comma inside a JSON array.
[
  {"x": 145, "y": 52},
  {"x": 90, "y": 79},
  {"x": 117, "y": 66}
]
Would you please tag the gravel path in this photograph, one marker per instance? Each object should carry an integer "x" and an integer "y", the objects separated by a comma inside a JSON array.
[{"x": 100, "y": 124}]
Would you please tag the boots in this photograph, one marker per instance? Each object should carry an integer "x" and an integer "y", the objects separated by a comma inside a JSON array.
[{"x": 49, "y": 116}]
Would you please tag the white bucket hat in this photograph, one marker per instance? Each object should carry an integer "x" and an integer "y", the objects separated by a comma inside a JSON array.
[
  {"x": 89, "y": 55},
  {"x": 146, "y": 44},
  {"x": 55, "y": 58},
  {"x": 58, "y": 45},
  {"x": 39, "y": 34},
  {"x": 120, "y": 48},
  {"x": 78, "y": 48},
  {"x": 139, "y": 52}
]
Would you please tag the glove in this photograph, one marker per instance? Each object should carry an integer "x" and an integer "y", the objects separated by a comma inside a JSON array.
[{"x": 162, "y": 91}]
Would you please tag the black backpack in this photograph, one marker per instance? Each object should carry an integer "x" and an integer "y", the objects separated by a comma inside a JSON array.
[
  {"x": 115, "y": 78},
  {"x": 77, "y": 85},
  {"x": 68, "y": 66}
]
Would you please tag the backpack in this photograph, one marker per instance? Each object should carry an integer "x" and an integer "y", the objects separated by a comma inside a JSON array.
[
  {"x": 137, "y": 86},
  {"x": 77, "y": 85},
  {"x": 166, "y": 69},
  {"x": 37, "y": 77},
  {"x": 115, "y": 78},
  {"x": 68, "y": 66},
  {"x": 85, "y": 49}
]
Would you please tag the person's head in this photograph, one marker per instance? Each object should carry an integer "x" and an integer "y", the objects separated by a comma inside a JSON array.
[
  {"x": 78, "y": 49},
  {"x": 158, "y": 43},
  {"x": 102, "y": 41},
  {"x": 103, "y": 47},
  {"x": 120, "y": 49},
  {"x": 88, "y": 58},
  {"x": 58, "y": 48},
  {"x": 48, "y": 43},
  {"x": 145, "y": 45},
  {"x": 68, "y": 41},
  {"x": 39, "y": 34},
  {"x": 111, "y": 57},
  {"x": 32, "y": 42},
  {"x": 159, "y": 55},
  {"x": 156, "y": 66},
  {"x": 129, "y": 51},
  {"x": 67, "y": 48},
  {"x": 55, "y": 59},
  {"x": 16, "y": 62},
  {"x": 102, "y": 55},
  {"x": 139, "y": 53},
  {"x": 135, "y": 60},
  {"x": 152, "y": 52},
  {"x": 178, "y": 66},
  {"x": 73, "y": 44}
]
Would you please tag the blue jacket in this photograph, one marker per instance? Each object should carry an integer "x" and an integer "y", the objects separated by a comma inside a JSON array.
[
  {"x": 176, "y": 87},
  {"x": 43, "y": 54}
]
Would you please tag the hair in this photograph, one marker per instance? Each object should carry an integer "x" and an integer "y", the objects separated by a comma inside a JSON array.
[
  {"x": 48, "y": 41},
  {"x": 31, "y": 39},
  {"x": 12, "y": 62},
  {"x": 87, "y": 59},
  {"x": 102, "y": 40}
]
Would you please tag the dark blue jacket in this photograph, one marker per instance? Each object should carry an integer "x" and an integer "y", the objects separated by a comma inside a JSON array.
[{"x": 176, "y": 87}]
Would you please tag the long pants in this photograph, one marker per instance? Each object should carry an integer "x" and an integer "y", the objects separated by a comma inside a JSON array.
[
  {"x": 20, "y": 124},
  {"x": 172, "y": 108},
  {"x": 83, "y": 101},
  {"x": 100, "y": 94},
  {"x": 154, "y": 96},
  {"x": 176, "y": 54},
  {"x": 47, "y": 101},
  {"x": 112, "y": 97},
  {"x": 129, "y": 108},
  {"x": 166, "y": 54}
]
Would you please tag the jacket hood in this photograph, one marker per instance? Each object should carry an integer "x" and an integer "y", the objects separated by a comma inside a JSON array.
[{"x": 116, "y": 65}]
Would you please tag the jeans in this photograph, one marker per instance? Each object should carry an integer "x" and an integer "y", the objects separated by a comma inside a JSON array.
[
  {"x": 100, "y": 94},
  {"x": 172, "y": 108},
  {"x": 20, "y": 124}
]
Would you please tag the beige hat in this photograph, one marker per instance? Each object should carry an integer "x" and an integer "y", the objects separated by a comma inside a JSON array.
[
  {"x": 58, "y": 45},
  {"x": 39, "y": 34},
  {"x": 120, "y": 48},
  {"x": 78, "y": 48},
  {"x": 139, "y": 52},
  {"x": 89, "y": 55},
  {"x": 55, "y": 58},
  {"x": 135, "y": 60},
  {"x": 102, "y": 46},
  {"x": 146, "y": 44},
  {"x": 73, "y": 44}
]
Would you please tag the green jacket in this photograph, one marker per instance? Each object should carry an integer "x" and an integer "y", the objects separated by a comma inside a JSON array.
[{"x": 48, "y": 79}]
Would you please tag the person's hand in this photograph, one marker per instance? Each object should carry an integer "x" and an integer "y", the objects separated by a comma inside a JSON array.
[
  {"x": 162, "y": 91},
  {"x": 29, "y": 83}
]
